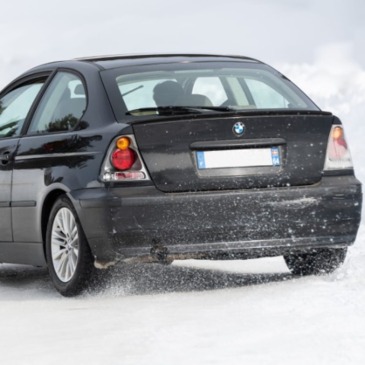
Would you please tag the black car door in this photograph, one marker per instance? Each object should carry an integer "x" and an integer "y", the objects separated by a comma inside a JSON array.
[
  {"x": 6, "y": 149},
  {"x": 15, "y": 104},
  {"x": 47, "y": 154}
]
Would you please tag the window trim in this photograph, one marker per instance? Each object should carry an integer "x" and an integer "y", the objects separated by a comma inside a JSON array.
[
  {"x": 25, "y": 131},
  {"x": 23, "y": 81}
]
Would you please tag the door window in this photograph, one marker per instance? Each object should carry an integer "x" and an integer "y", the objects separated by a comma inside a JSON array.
[
  {"x": 62, "y": 105},
  {"x": 14, "y": 107}
]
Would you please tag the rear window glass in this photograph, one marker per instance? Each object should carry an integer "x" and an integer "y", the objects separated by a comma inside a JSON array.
[{"x": 246, "y": 86}]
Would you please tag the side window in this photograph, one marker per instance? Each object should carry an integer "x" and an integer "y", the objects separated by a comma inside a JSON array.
[
  {"x": 266, "y": 97},
  {"x": 212, "y": 88},
  {"x": 14, "y": 107},
  {"x": 62, "y": 105}
]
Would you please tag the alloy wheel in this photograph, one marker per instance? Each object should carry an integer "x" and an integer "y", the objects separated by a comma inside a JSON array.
[{"x": 64, "y": 244}]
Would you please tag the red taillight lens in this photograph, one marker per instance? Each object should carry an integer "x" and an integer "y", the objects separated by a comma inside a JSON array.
[
  {"x": 338, "y": 155},
  {"x": 337, "y": 146},
  {"x": 123, "y": 159}
]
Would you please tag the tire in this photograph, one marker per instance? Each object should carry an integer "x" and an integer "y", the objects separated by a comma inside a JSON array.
[
  {"x": 69, "y": 258},
  {"x": 321, "y": 261}
]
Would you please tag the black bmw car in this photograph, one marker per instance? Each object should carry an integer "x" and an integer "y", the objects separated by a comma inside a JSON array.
[{"x": 154, "y": 158}]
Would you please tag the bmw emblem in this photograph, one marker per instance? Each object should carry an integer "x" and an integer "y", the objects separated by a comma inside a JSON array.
[{"x": 238, "y": 129}]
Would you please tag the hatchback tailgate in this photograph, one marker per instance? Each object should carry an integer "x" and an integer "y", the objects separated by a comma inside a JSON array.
[{"x": 202, "y": 153}]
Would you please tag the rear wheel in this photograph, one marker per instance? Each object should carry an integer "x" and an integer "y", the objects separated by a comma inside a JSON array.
[
  {"x": 69, "y": 257},
  {"x": 321, "y": 261}
]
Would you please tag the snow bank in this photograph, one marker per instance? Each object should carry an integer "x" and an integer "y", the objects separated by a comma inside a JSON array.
[{"x": 336, "y": 82}]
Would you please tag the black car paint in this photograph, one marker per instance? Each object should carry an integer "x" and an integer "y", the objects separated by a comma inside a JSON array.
[
  {"x": 6, "y": 148},
  {"x": 45, "y": 166},
  {"x": 126, "y": 220},
  {"x": 178, "y": 151},
  {"x": 205, "y": 223}
]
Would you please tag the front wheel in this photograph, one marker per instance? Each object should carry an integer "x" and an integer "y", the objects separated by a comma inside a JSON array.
[
  {"x": 321, "y": 261},
  {"x": 69, "y": 257}
]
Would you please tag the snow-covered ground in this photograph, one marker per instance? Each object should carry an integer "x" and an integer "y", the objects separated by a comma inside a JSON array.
[
  {"x": 199, "y": 312},
  {"x": 242, "y": 312}
]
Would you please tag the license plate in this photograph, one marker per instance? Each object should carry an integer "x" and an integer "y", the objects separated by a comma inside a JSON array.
[{"x": 253, "y": 157}]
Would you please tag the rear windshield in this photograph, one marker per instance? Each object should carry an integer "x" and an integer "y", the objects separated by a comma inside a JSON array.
[{"x": 233, "y": 86}]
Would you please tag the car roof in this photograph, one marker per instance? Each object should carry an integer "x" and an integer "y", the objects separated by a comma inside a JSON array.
[{"x": 115, "y": 61}]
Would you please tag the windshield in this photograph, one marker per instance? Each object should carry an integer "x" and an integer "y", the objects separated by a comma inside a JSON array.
[{"x": 207, "y": 86}]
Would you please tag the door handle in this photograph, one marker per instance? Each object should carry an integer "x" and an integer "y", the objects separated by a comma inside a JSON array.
[{"x": 4, "y": 158}]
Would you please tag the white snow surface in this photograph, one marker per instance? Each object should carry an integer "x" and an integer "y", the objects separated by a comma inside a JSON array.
[
  {"x": 202, "y": 312},
  {"x": 239, "y": 312}
]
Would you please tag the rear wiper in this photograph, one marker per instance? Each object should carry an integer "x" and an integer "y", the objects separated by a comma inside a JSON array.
[
  {"x": 177, "y": 109},
  {"x": 165, "y": 110},
  {"x": 217, "y": 108},
  {"x": 133, "y": 90}
]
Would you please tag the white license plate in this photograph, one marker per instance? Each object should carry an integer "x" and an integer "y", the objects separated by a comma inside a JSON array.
[{"x": 252, "y": 157}]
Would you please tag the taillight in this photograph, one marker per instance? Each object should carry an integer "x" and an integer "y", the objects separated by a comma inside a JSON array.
[
  {"x": 338, "y": 154},
  {"x": 123, "y": 161}
]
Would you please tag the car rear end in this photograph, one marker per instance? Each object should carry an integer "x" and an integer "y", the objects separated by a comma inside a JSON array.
[{"x": 258, "y": 170}]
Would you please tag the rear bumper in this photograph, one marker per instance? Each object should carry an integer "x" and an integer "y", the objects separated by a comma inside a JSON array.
[{"x": 127, "y": 222}]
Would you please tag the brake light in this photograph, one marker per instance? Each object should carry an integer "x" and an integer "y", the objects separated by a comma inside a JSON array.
[
  {"x": 123, "y": 161},
  {"x": 338, "y": 154}
]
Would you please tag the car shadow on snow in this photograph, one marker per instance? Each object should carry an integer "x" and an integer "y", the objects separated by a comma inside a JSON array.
[
  {"x": 27, "y": 282},
  {"x": 156, "y": 279},
  {"x": 22, "y": 281}
]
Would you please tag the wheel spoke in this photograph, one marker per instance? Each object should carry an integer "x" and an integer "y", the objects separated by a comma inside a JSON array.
[
  {"x": 72, "y": 261},
  {"x": 68, "y": 271},
  {"x": 64, "y": 221},
  {"x": 58, "y": 239},
  {"x": 75, "y": 241},
  {"x": 76, "y": 251},
  {"x": 62, "y": 265},
  {"x": 57, "y": 255}
]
